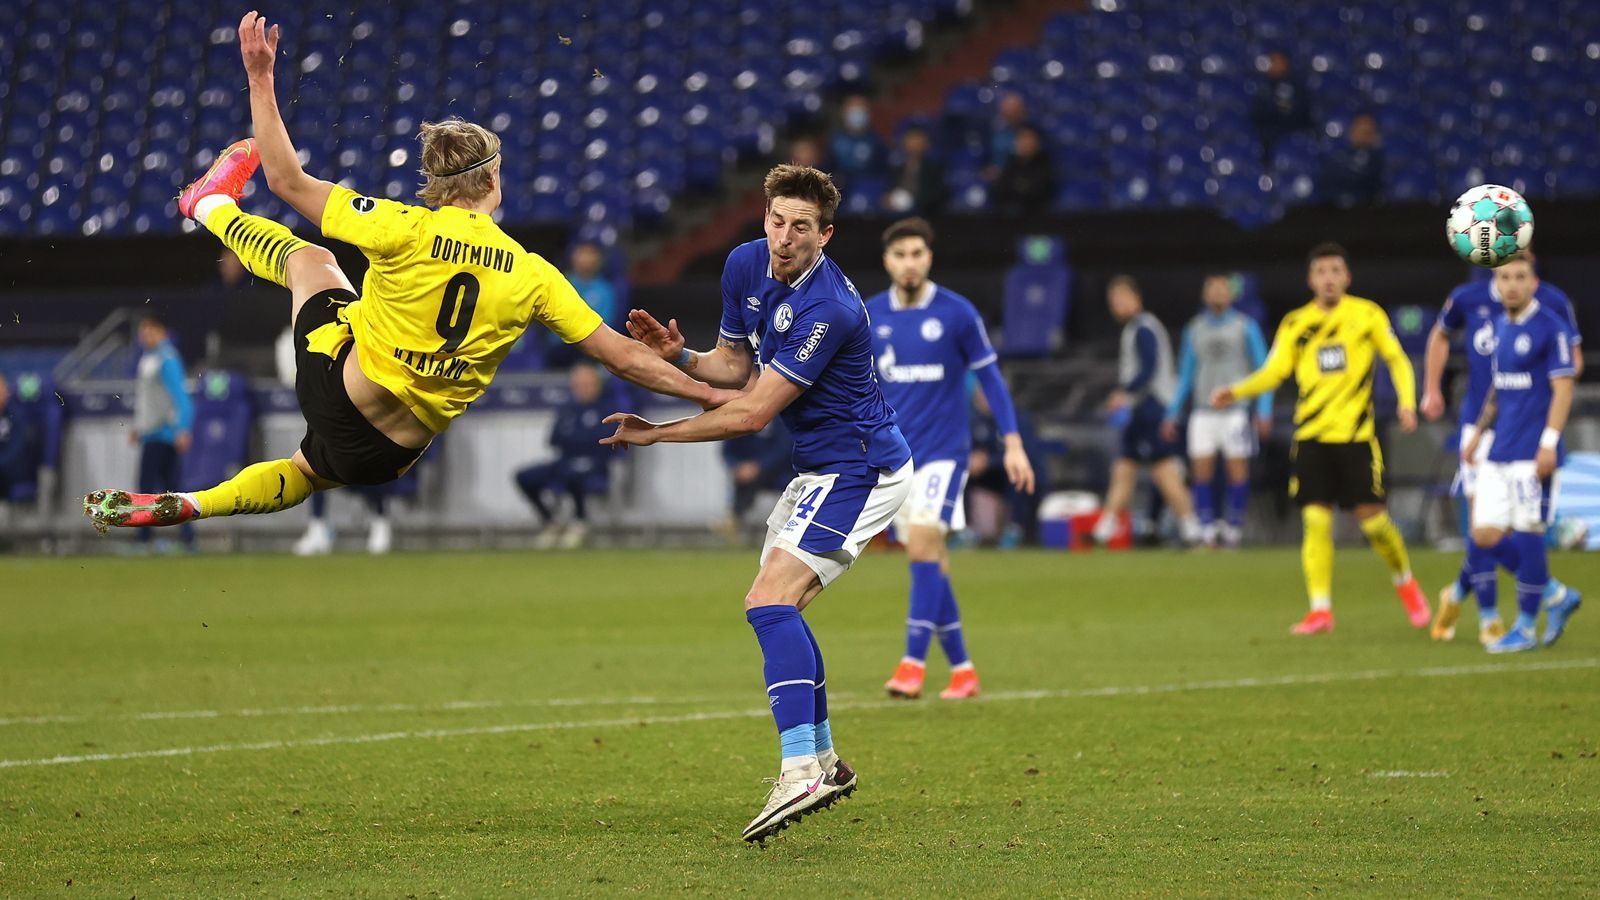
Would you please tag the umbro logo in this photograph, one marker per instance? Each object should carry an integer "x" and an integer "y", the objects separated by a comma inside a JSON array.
[{"x": 753, "y": 302}]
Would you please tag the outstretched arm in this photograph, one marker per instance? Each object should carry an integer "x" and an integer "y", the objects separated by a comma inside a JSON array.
[
  {"x": 747, "y": 414},
  {"x": 726, "y": 366},
  {"x": 638, "y": 364},
  {"x": 309, "y": 196}
]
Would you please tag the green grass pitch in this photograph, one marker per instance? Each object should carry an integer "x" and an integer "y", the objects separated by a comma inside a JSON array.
[{"x": 593, "y": 723}]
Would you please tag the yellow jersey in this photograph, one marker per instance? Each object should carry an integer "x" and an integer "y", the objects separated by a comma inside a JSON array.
[
  {"x": 1331, "y": 354},
  {"x": 446, "y": 295}
]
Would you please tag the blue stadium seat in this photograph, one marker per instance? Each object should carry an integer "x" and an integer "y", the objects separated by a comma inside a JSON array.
[
  {"x": 221, "y": 430},
  {"x": 1037, "y": 294}
]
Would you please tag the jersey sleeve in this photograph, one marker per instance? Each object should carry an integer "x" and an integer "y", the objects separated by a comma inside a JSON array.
[
  {"x": 1558, "y": 352},
  {"x": 1451, "y": 318},
  {"x": 379, "y": 227},
  {"x": 1280, "y": 361},
  {"x": 1569, "y": 317},
  {"x": 815, "y": 337},
  {"x": 1186, "y": 366},
  {"x": 557, "y": 306},
  {"x": 973, "y": 340},
  {"x": 1394, "y": 356},
  {"x": 732, "y": 326}
]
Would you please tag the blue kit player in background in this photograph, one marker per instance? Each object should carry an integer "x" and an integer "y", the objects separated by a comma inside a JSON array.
[
  {"x": 162, "y": 415},
  {"x": 1528, "y": 402},
  {"x": 1145, "y": 385},
  {"x": 580, "y": 469},
  {"x": 788, "y": 308},
  {"x": 1219, "y": 347},
  {"x": 926, "y": 338},
  {"x": 1471, "y": 310}
]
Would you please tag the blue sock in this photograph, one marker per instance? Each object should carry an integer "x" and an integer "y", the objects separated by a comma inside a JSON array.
[
  {"x": 819, "y": 695},
  {"x": 1205, "y": 502},
  {"x": 949, "y": 625},
  {"x": 1238, "y": 500},
  {"x": 925, "y": 599},
  {"x": 791, "y": 672},
  {"x": 1483, "y": 580},
  {"x": 1532, "y": 575}
]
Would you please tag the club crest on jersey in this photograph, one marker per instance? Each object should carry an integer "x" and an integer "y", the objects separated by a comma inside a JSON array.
[
  {"x": 932, "y": 329},
  {"x": 1331, "y": 359},
  {"x": 1522, "y": 344},
  {"x": 812, "y": 342},
  {"x": 1483, "y": 339},
  {"x": 363, "y": 205},
  {"x": 783, "y": 317}
]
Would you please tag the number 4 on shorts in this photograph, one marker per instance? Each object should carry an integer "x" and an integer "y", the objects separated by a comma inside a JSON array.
[{"x": 809, "y": 505}]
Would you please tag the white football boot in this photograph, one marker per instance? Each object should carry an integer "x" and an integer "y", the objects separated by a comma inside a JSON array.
[{"x": 795, "y": 794}]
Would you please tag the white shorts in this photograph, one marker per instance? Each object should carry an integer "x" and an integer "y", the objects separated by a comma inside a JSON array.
[
  {"x": 935, "y": 498},
  {"x": 1468, "y": 474},
  {"x": 1225, "y": 431},
  {"x": 1510, "y": 495},
  {"x": 826, "y": 520}
]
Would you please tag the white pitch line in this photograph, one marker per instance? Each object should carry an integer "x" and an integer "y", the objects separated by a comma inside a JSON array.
[
  {"x": 352, "y": 708},
  {"x": 1402, "y": 773},
  {"x": 714, "y": 715}
]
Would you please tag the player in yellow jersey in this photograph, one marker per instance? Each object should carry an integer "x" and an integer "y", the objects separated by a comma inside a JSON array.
[
  {"x": 1331, "y": 346},
  {"x": 446, "y": 295}
]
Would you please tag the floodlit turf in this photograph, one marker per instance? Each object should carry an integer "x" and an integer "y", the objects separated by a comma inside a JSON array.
[{"x": 532, "y": 724}]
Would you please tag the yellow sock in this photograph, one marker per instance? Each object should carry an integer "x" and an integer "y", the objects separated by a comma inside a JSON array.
[
  {"x": 1316, "y": 555},
  {"x": 261, "y": 244},
  {"x": 265, "y": 487},
  {"x": 1386, "y": 541}
]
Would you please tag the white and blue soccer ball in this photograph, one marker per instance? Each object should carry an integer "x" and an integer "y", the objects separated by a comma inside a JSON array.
[{"x": 1489, "y": 225}]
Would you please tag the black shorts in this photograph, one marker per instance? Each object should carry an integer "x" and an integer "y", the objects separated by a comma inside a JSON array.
[
  {"x": 1343, "y": 475},
  {"x": 340, "y": 444}
]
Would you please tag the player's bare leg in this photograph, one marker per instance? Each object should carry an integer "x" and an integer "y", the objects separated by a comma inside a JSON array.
[
  {"x": 1167, "y": 476},
  {"x": 1119, "y": 493}
]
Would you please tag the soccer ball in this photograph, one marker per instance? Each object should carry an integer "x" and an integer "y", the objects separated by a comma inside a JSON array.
[{"x": 1489, "y": 225}]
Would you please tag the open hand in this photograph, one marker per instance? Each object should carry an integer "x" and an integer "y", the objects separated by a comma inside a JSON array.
[
  {"x": 1018, "y": 469},
  {"x": 665, "y": 340},
  {"x": 632, "y": 431},
  {"x": 1544, "y": 462},
  {"x": 258, "y": 44},
  {"x": 1408, "y": 419}
]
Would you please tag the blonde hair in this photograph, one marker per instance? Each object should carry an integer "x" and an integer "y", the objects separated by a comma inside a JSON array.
[{"x": 459, "y": 161}]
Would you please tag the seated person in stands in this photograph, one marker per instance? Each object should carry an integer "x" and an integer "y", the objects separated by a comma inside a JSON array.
[
  {"x": 13, "y": 444},
  {"x": 580, "y": 466},
  {"x": 757, "y": 462},
  {"x": 1282, "y": 106},
  {"x": 1352, "y": 175},
  {"x": 1026, "y": 185},
  {"x": 917, "y": 185},
  {"x": 856, "y": 153}
]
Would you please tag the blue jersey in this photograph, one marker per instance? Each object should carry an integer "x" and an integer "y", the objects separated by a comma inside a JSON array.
[
  {"x": 1472, "y": 309},
  {"x": 816, "y": 334},
  {"x": 1529, "y": 351},
  {"x": 924, "y": 352}
]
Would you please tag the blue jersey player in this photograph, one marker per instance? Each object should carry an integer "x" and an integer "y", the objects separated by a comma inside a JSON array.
[
  {"x": 926, "y": 339},
  {"x": 1528, "y": 402},
  {"x": 787, "y": 308},
  {"x": 1471, "y": 310}
]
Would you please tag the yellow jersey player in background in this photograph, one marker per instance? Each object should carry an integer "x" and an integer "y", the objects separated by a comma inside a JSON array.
[
  {"x": 446, "y": 295},
  {"x": 1331, "y": 346}
]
